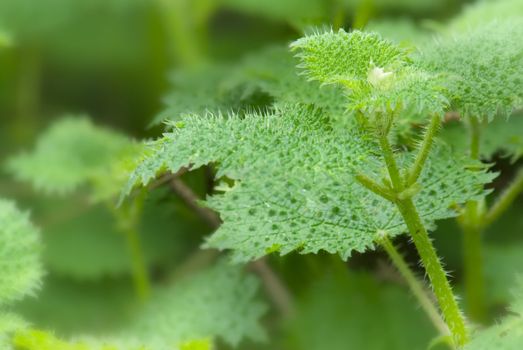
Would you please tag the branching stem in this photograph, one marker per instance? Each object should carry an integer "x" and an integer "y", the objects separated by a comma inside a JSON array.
[
  {"x": 375, "y": 187},
  {"x": 417, "y": 288},
  {"x": 438, "y": 278}
]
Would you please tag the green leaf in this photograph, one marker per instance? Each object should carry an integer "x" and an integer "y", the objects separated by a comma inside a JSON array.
[
  {"x": 507, "y": 334},
  {"x": 19, "y": 254},
  {"x": 71, "y": 153},
  {"x": 500, "y": 136},
  {"x": 72, "y": 308},
  {"x": 295, "y": 186},
  {"x": 378, "y": 74},
  {"x": 346, "y": 58},
  {"x": 354, "y": 311},
  {"x": 220, "y": 302},
  {"x": 483, "y": 68}
]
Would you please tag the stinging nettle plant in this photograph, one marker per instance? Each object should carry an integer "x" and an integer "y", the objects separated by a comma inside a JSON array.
[
  {"x": 338, "y": 144},
  {"x": 304, "y": 181}
]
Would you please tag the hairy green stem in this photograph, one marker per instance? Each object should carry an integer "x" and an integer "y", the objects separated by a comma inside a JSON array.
[
  {"x": 375, "y": 187},
  {"x": 415, "y": 286},
  {"x": 438, "y": 278},
  {"x": 504, "y": 200},
  {"x": 390, "y": 161},
  {"x": 424, "y": 150}
]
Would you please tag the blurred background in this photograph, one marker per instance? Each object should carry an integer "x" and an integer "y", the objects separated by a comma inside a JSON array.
[{"x": 123, "y": 63}]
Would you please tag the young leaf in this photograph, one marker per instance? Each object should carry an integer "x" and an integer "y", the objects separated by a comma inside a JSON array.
[
  {"x": 295, "y": 185},
  {"x": 483, "y": 69},
  {"x": 69, "y": 154},
  {"x": 378, "y": 74},
  {"x": 19, "y": 254},
  {"x": 508, "y": 334},
  {"x": 347, "y": 58}
]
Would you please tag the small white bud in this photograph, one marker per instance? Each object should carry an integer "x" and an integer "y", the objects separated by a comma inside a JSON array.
[{"x": 377, "y": 75}]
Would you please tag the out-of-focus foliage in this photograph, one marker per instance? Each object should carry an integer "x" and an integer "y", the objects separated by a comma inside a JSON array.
[
  {"x": 480, "y": 12},
  {"x": 9, "y": 325},
  {"x": 220, "y": 302},
  {"x": 507, "y": 334},
  {"x": 73, "y": 152},
  {"x": 20, "y": 247},
  {"x": 166, "y": 230},
  {"x": 358, "y": 321}
]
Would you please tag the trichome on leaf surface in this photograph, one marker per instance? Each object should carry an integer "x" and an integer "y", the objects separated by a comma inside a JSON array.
[{"x": 323, "y": 175}]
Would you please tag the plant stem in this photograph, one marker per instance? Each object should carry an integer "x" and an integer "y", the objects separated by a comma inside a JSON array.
[
  {"x": 438, "y": 278},
  {"x": 504, "y": 200},
  {"x": 375, "y": 187},
  {"x": 474, "y": 276},
  {"x": 424, "y": 150},
  {"x": 446, "y": 300},
  {"x": 475, "y": 136},
  {"x": 390, "y": 161},
  {"x": 127, "y": 219},
  {"x": 140, "y": 275},
  {"x": 415, "y": 286},
  {"x": 472, "y": 245}
]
